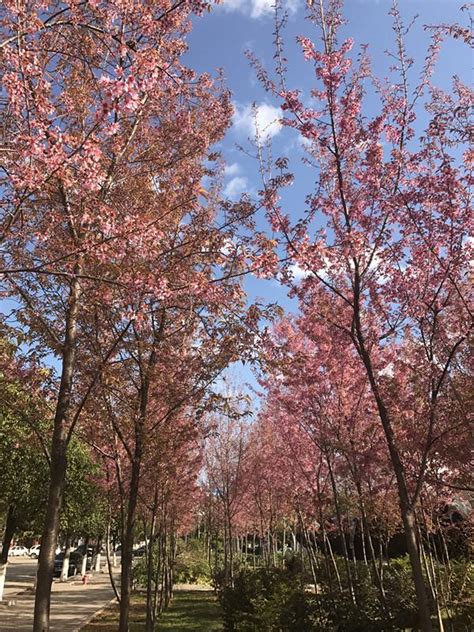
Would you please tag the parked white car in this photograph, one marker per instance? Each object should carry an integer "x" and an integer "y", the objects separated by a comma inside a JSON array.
[
  {"x": 34, "y": 551},
  {"x": 16, "y": 551}
]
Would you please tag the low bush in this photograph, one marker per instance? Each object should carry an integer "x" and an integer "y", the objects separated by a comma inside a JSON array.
[
  {"x": 192, "y": 566},
  {"x": 276, "y": 600},
  {"x": 264, "y": 600}
]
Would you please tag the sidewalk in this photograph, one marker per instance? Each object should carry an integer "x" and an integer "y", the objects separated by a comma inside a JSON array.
[{"x": 72, "y": 605}]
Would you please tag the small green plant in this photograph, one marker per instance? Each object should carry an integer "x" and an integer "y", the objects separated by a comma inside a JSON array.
[{"x": 192, "y": 566}]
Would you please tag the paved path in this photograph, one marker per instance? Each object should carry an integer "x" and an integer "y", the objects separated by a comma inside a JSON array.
[
  {"x": 21, "y": 574},
  {"x": 72, "y": 605}
]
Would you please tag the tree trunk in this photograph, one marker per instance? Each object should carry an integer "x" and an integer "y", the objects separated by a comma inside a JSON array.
[
  {"x": 67, "y": 555},
  {"x": 409, "y": 524},
  {"x": 127, "y": 544},
  {"x": 84, "y": 559},
  {"x": 341, "y": 531},
  {"x": 150, "y": 611},
  {"x": 366, "y": 533},
  {"x": 406, "y": 510},
  {"x": 431, "y": 576},
  {"x": 3, "y": 575},
  {"x": 10, "y": 527},
  {"x": 50, "y": 533},
  {"x": 98, "y": 555},
  {"x": 231, "y": 552},
  {"x": 309, "y": 547},
  {"x": 58, "y": 465},
  {"x": 334, "y": 563},
  {"x": 110, "y": 565}
]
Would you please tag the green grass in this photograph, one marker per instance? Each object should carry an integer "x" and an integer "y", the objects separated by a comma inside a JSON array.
[{"x": 190, "y": 611}]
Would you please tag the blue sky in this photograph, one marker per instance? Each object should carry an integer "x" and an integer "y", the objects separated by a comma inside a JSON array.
[{"x": 220, "y": 39}]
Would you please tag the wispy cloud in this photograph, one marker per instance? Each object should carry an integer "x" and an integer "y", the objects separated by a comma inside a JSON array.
[
  {"x": 257, "y": 8},
  {"x": 298, "y": 272},
  {"x": 262, "y": 119},
  {"x": 232, "y": 170},
  {"x": 236, "y": 187}
]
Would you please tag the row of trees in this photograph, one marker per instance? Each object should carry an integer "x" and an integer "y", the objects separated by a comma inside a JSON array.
[
  {"x": 118, "y": 268},
  {"x": 385, "y": 250},
  {"x": 311, "y": 482},
  {"x": 367, "y": 390},
  {"x": 123, "y": 274}
]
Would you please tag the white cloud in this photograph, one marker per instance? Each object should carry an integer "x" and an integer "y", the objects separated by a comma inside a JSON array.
[
  {"x": 298, "y": 272},
  {"x": 228, "y": 247},
  {"x": 262, "y": 118},
  {"x": 257, "y": 8},
  {"x": 232, "y": 170},
  {"x": 233, "y": 5},
  {"x": 260, "y": 7},
  {"x": 236, "y": 186}
]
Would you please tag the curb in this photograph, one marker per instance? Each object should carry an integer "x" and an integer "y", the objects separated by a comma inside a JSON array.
[{"x": 95, "y": 614}]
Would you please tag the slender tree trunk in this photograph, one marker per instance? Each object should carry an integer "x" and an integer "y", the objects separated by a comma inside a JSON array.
[
  {"x": 50, "y": 533},
  {"x": 294, "y": 541},
  {"x": 366, "y": 532},
  {"x": 58, "y": 465},
  {"x": 406, "y": 509},
  {"x": 334, "y": 563},
  {"x": 447, "y": 569},
  {"x": 110, "y": 565},
  {"x": 84, "y": 559},
  {"x": 310, "y": 551},
  {"x": 67, "y": 556},
  {"x": 431, "y": 577},
  {"x": 164, "y": 569},
  {"x": 409, "y": 524},
  {"x": 150, "y": 619},
  {"x": 98, "y": 555},
  {"x": 10, "y": 527},
  {"x": 226, "y": 553},
  {"x": 325, "y": 547},
  {"x": 341, "y": 531},
  {"x": 231, "y": 553},
  {"x": 157, "y": 574},
  {"x": 316, "y": 548},
  {"x": 127, "y": 544},
  {"x": 254, "y": 554}
]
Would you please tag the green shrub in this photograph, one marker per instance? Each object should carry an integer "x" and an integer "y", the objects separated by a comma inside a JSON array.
[
  {"x": 274, "y": 600},
  {"x": 139, "y": 572},
  {"x": 192, "y": 566},
  {"x": 462, "y": 589},
  {"x": 256, "y": 600}
]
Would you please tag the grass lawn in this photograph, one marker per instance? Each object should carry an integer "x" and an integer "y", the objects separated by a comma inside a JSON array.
[{"x": 190, "y": 611}]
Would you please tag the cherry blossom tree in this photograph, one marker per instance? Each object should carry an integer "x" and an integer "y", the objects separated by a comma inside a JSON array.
[
  {"x": 225, "y": 467},
  {"x": 163, "y": 369},
  {"x": 388, "y": 272},
  {"x": 103, "y": 138}
]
